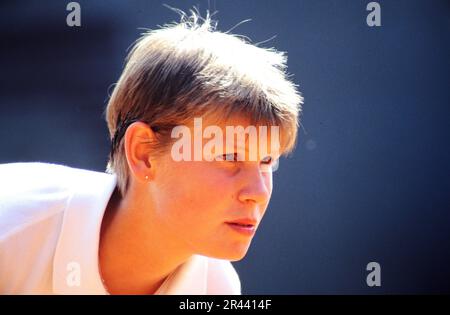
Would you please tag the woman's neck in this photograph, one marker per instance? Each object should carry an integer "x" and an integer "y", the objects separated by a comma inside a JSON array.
[{"x": 136, "y": 254}]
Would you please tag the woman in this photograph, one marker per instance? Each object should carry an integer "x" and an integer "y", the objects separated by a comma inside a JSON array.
[{"x": 171, "y": 212}]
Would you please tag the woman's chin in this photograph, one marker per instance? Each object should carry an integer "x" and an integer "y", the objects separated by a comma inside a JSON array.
[{"x": 233, "y": 254}]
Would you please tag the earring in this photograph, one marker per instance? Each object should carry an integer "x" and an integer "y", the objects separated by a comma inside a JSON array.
[{"x": 146, "y": 176}]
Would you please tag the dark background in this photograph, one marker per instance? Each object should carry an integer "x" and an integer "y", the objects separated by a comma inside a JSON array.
[{"x": 370, "y": 178}]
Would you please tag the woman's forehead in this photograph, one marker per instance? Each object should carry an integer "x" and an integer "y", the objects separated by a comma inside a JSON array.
[{"x": 233, "y": 119}]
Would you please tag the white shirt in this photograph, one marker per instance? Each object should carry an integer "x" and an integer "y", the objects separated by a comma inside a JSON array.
[{"x": 50, "y": 219}]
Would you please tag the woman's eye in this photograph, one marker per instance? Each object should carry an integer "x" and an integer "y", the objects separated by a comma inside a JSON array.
[
  {"x": 267, "y": 160},
  {"x": 231, "y": 157}
]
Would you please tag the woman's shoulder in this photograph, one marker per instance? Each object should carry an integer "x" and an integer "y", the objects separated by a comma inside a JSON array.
[
  {"x": 30, "y": 193},
  {"x": 27, "y": 176},
  {"x": 223, "y": 278}
]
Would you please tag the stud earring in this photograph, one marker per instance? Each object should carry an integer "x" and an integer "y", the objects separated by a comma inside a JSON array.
[{"x": 146, "y": 176}]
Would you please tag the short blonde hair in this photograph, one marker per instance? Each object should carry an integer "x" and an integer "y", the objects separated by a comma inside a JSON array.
[{"x": 188, "y": 69}]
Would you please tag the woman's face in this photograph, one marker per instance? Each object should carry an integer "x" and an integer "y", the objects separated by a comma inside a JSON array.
[{"x": 198, "y": 200}]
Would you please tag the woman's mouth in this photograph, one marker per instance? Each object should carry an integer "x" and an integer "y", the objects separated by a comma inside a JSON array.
[{"x": 246, "y": 229}]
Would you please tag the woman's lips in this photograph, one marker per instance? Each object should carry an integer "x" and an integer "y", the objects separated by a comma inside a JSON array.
[{"x": 246, "y": 229}]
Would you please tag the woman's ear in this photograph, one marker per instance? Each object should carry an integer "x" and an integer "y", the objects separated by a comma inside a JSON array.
[{"x": 137, "y": 150}]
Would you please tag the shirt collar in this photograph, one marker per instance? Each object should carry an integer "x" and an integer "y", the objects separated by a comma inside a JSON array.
[
  {"x": 75, "y": 265},
  {"x": 188, "y": 279}
]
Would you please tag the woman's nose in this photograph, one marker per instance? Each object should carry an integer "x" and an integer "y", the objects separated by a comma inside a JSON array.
[{"x": 257, "y": 188}]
